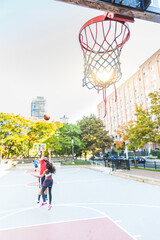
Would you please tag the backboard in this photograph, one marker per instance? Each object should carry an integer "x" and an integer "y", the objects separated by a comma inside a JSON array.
[
  {"x": 142, "y": 9},
  {"x": 38, "y": 146}
]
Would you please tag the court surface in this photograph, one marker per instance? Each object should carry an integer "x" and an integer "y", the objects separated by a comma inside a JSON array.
[{"x": 87, "y": 205}]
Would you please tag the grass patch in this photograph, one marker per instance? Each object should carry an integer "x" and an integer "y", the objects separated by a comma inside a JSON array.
[
  {"x": 76, "y": 162},
  {"x": 146, "y": 169}
]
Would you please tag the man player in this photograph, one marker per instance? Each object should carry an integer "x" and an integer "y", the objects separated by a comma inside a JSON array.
[{"x": 43, "y": 161}]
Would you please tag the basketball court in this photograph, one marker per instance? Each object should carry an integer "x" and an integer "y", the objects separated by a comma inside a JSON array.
[{"x": 86, "y": 205}]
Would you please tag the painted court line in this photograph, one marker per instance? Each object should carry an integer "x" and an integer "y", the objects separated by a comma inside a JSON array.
[
  {"x": 115, "y": 223},
  {"x": 79, "y": 205},
  {"x": 109, "y": 221},
  {"x": 16, "y": 212},
  {"x": 137, "y": 236},
  {"x": 95, "y": 229},
  {"x": 119, "y": 204}
]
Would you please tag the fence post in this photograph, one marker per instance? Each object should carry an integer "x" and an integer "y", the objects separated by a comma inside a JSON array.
[
  {"x": 128, "y": 164},
  {"x": 112, "y": 165},
  {"x": 155, "y": 165},
  {"x": 105, "y": 162}
]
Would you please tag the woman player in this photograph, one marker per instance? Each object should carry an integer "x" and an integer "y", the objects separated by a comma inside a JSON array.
[
  {"x": 43, "y": 161},
  {"x": 48, "y": 183}
]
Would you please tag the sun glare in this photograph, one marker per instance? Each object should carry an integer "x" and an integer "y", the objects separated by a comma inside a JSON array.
[{"x": 105, "y": 77}]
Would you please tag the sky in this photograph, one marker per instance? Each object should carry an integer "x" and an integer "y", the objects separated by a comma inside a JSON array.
[{"x": 40, "y": 55}]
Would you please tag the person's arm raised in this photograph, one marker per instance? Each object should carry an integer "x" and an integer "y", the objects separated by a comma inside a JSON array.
[
  {"x": 42, "y": 156},
  {"x": 49, "y": 151}
]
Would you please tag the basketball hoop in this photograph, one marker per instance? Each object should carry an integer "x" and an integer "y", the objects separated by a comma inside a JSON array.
[
  {"x": 102, "y": 39},
  {"x": 38, "y": 147}
]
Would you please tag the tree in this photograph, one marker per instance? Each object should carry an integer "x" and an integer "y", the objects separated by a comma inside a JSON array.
[
  {"x": 41, "y": 131},
  {"x": 94, "y": 136},
  {"x": 13, "y": 133},
  {"x": 136, "y": 134},
  {"x": 19, "y": 133},
  {"x": 155, "y": 112},
  {"x": 121, "y": 133},
  {"x": 144, "y": 126},
  {"x": 66, "y": 133},
  {"x": 120, "y": 145},
  {"x": 126, "y": 133}
]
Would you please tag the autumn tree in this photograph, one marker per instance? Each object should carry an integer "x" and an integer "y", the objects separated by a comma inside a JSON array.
[
  {"x": 138, "y": 133},
  {"x": 19, "y": 133},
  {"x": 155, "y": 112},
  {"x": 14, "y": 134},
  {"x": 122, "y": 137},
  {"x": 41, "y": 131},
  {"x": 94, "y": 136}
]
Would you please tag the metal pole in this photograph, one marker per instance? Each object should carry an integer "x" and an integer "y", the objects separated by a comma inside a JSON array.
[
  {"x": 1, "y": 149},
  {"x": 155, "y": 165},
  {"x": 72, "y": 151},
  {"x": 126, "y": 151}
]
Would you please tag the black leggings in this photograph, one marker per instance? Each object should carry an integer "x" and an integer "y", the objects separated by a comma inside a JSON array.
[
  {"x": 50, "y": 193},
  {"x": 48, "y": 183}
]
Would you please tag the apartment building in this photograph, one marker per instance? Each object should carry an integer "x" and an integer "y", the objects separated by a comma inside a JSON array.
[
  {"x": 38, "y": 107},
  {"x": 134, "y": 90}
]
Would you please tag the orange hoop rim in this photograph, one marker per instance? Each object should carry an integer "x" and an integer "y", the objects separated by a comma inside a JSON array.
[{"x": 108, "y": 16}]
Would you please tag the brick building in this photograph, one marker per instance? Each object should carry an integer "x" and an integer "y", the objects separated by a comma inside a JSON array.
[{"x": 134, "y": 90}]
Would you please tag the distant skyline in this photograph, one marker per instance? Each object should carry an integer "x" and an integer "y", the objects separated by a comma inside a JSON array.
[{"x": 41, "y": 56}]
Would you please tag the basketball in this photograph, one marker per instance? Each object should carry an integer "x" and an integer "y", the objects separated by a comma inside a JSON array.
[{"x": 46, "y": 117}]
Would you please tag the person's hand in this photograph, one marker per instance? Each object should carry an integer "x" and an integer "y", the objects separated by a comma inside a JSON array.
[
  {"x": 49, "y": 150},
  {"x": 42, "y": 147}
]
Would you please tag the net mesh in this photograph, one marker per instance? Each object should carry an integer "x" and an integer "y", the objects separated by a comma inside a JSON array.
[{"x": 102, "y": 43}]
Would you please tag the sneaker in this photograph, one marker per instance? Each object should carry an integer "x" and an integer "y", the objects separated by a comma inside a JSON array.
[
  {"x": 43, "y": 204},
  {"x": 47, "y": 200},
  {"x": 49, "y": 207},
  {"x": 37, "y": 202}
]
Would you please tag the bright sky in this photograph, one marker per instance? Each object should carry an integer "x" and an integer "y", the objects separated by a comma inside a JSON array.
[{"x": 40, "y": 55}]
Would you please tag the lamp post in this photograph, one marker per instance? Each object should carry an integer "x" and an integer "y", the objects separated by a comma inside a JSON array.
[
  {"x": 1, "y": 149},
  {"x": 126, "y": 151},
  {"x": 72, "y": 151}
]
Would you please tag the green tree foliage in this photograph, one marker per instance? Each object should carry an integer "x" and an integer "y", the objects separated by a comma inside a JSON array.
[
  {"x": 42, "y": 132},
  {"x": 14, "y": 134},
  {"x": 66, "y": 133},
  {"x": 19, "y": 133},
  {"x": 144, "y": 126},
  {"x": 155, "y": 112},
  {"x": 94, "y": 136},
  {"x": 136, "y": 134}
]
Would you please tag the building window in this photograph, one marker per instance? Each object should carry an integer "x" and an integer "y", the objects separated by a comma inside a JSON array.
[
  {"x": 127, "y": 105},
  {"x": 146, "y": 82},
  {"x": 148, "y": 100},
  {"x": 145, "y": 73},
  {"x": 153, "y": 77},
  {"x": 137, "y": 99},
  {"x": 154, "y": 87},
  {"x": 136, "y": 91},
  {"x": 136, "y": 83},
  {"x": 147, "y": 91},
  {"x": 130, "y": 88},
  {"x": 152, "y": 68}
]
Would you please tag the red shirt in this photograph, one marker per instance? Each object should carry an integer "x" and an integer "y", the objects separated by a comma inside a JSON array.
[{"x": 42, "y": 166}]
